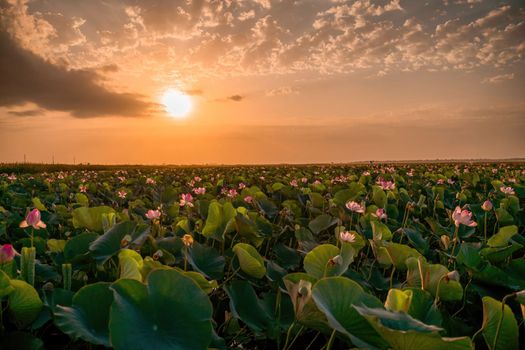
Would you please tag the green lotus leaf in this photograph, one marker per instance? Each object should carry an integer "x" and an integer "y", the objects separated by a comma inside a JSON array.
[
  {"x": 91, "y": 218},
  {"x": 105, "y": 246},
  {"x": 502, "y": 238},
  {"x": 336, "y": 297},
  {"x": 76, "y": 248},
  {"x": 206, "y": 260},
  {"x": 499, "y": 321},
  {"x": 430, "y": 276},
  {"x": 24, "y": 303},
  {"x": 169, "y": 312},
  {"x": 250, "y": 260},
  {"x": 402, "y": 332},
  {"x": 379, "y": 196},
  {"x": 321, "y": 223},
  {"x": 130, "y": 264},
  {"x": 327, "y": 260},
  {"x": 5, "y": 285},
  {"x": 88, "y": 316},
  {"x": 355, "y": 190}
]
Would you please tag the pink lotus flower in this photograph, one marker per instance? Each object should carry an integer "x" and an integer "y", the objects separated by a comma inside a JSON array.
[
  {"x": 304, "y": 180},
  {"x": 293, "y": 183},
  {"x": 366, "y": 173},
  {"x": 82, "y": 188},
  {"x": 355, "y": 207},
  {"x": 507, "y": 189},
  {"x": 242, "y": 186},
  {"x": 199, "y": 190},
  {"x": 33, "y": 220},
  {"x": 261, "y": 178},
  {"x": 197, "y": 179},
  {"x": 386, "y": 185},
  {"x": 248, "y": 199},
  {"x": 463, "y": 217},
  {"x": 487, "y": 205},
  {"x": 317, "y": 182},
  {"x": 381, "y": 214},
  {"x": 150, "y": 181},
  {"x": 347, "y": 236},
  {"x": 153, "y": 214},
  {"x": 232, "y": 193},
  {"x": 12, "y": 177},
  {"x": 440, "y": 181},
  {"x": 186, "y": 199},
  {"x": 7, "y": 253},
  {"x": 451, "y": 182},
  {"x": 494, "y": 171},
  {"x": 122, "y": 194}
]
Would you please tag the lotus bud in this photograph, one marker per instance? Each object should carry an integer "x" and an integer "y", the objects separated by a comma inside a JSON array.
[
  {"x": 336, "y": 260},
  {"x": 487, "y": 205},
  {"x": 33, "y": 220},
  {"x": 158, "y": 254},
  {"x": 445, "y": 240},
  {"x": 7, "y": 253},
  {"x": 452, "y": 276},
  {"x": 187, "y": 240},
  {"x": 125, "y": 241},
  {"x": 305, "y": 288}
]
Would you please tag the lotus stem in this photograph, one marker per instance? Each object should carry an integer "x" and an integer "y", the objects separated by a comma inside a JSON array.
[
  {"x": 331, "y": 340},
  {"x": 436, "y": 298},
  {"x": 501, "y": 318},
  {"x": 485, "y": 227},
  {"x": 67, "y": 272},
  {"x": 28, "y": 264}
]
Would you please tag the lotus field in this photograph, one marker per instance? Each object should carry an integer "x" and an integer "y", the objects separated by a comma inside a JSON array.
[{"x": 382, "y": 256}]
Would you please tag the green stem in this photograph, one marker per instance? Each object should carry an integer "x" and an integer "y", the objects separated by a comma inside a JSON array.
[
  {"x": 28, "y": 264},
  {"x": 295, "y": 338},
  {"x": 392, "y": 275},
  {"x": 501, "y": 319},
  {"x": 67, "y": 273},
  {"x": 485, "y": 227},
  {"x": 313, "y": 340},
  {"x": 436, "y": 299},
  {"x": 331, "y": 340},
  {"x": 288, "y": 333},
  {"x": 456, "y": 239}
]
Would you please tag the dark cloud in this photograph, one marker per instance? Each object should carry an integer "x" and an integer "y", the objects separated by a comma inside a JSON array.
[
  {"x": 109, "y": 68},
  {"x": 27, "y": 113},
  {"x": 236, "y": 98},
  {"x": 26, "y": 77}
]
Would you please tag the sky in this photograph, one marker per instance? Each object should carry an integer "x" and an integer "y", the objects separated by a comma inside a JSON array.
[{"x": 270, "y": 81}]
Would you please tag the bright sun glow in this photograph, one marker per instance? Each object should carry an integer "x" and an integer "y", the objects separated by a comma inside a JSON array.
[{"x": 176, "y": 103}]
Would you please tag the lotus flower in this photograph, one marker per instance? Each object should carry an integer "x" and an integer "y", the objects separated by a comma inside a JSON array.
[
  {"x": 242, "y": 185},
  {"x": 463, "y": 217},
  {"x": 82, "y": 188},
  {"x": 186, "y": 199},
  {"x": 199, "y": 190},
  {"x": 507, "y": 190},
  {"x": 7, "y": 253},
  {"x": 304, "y": 180},
  {"x": 381, "y": 213},
  {"x": 153, "y": 214},
  {"x": 248, "y": 199},
  {"x": 197, "y": 179},
  {"x": 122, "y": 194},
  {"x": 33, "y": 220},
  {"x": 355, "y": 207},
  {"x": 232, "y": 193},
  {"x": 487, "y": 205},
  {"x": 187, "y": 240},
  {"x": 150, "y": 181},
  {"x": 293, "y": 183},
  {"x": 347, "y": 236},
  {"x": 386, "y": 185}
]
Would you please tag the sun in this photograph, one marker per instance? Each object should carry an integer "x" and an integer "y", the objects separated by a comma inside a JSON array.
[{"x": 176, "y": 103}]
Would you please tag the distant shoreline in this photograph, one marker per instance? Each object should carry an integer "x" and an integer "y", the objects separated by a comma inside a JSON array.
[{"x": 40, "y": 167}]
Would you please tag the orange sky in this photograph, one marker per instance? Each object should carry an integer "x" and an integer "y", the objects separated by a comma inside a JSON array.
[{"x": 269, "y": 81}]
